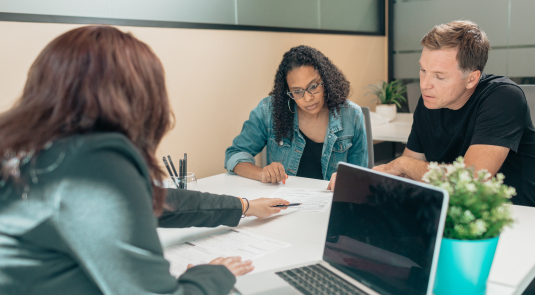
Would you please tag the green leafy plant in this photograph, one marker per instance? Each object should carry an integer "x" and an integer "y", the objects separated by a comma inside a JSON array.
[
  {"x": 388, "y": 93},
  {"x": 477, "y": 208}
]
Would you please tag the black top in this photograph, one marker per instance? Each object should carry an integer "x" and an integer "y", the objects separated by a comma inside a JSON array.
[
  {"x": 87, "y": 225},
  {"x": 310, "y": 163},
  {"x": 496, "y": 114}
]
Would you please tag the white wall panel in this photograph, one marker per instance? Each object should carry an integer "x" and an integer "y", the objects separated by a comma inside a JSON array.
[
  {"x": 521, "y": 62},
  {"x": 279, "y": 13},
  {"x": 522, "y": 22},
  {"x": 197, "y": 11},
  {"x": 362, "y": 15},
  {"x": 95, "y": 8},
  {"x": 497, "y": 63},
  {"x": 406, "y": 66},
  {"x": 412, "y": 20}
]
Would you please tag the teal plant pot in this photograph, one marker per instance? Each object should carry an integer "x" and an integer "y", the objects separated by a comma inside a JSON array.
[{"x": 464, "y": 266}]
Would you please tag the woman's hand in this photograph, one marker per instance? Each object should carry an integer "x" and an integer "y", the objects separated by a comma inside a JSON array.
[
  {"x": 263, "y": 207},
  {"x": 331, "y": 183},
  {"x": 234, "y": 264},
  {"x": 273, "y": 173}
]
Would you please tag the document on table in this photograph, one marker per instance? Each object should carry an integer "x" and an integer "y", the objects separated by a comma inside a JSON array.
[
  {"x": 230, "y": 243},
  {"x": 310, "y": 199}
]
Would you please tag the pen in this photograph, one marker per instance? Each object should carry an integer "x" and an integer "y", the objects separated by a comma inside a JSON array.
[
  {"x": 169, "y": 170},
  {"x": 292, "y": 204},
  {"x": 185, "y": 170},
  {"x": 181, "y": 172},
  {"x": 174, "y": 170}
]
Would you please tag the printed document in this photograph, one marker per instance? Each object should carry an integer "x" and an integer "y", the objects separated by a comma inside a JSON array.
[
  {"x": 234, "y": 242},
  {"x": 310, "y": 199}
]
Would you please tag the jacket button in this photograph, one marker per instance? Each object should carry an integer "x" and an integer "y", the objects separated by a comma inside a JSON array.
[
  {"x": 329, "y": 136},
  {"x": 281, "y": 143}
]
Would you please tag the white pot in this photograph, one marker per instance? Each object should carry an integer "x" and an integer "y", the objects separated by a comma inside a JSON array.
[{"x": 387, "y": 111}]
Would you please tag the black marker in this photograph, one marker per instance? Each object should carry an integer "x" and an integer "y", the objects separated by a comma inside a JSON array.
[
  {"x": 169, "y": 170},
  {"x": 181, "y": 172},
  {"x": 174, "y": 170},
  {"x": 185, "y": 171},
  {"x": 293, "y": 204}
]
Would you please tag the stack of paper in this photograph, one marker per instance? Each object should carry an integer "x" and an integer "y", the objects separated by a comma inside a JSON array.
[{"x": 231, "y": 243}]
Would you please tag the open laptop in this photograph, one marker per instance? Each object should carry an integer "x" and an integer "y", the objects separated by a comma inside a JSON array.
[{"x": 383, "y": 237}]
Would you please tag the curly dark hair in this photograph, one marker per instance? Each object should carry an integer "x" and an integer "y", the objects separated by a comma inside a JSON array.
[{"x": 336, "y": 87}]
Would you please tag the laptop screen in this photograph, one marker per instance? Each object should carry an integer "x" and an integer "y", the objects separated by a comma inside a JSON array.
[{"x": 382, "y": 231}]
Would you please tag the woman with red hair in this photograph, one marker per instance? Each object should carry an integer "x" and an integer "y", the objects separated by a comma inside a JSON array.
[{"x": 78, "y": 204}]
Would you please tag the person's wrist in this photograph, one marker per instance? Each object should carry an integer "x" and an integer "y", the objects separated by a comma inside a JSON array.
[
  {"x": 259, "y": 174},
  {"x": 251, "y": 211},
  {"x": 246, "y": 211},
  {"x": 399, "y": 164}
]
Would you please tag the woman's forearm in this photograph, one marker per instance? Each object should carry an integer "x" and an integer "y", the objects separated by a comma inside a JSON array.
[{"x": 248, "y": 170}]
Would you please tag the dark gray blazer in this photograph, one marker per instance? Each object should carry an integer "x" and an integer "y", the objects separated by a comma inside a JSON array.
[{"x": 87, "y": 226}]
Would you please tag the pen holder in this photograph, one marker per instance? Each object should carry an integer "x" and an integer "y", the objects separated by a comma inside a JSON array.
[{"x": 188, "y": 182}]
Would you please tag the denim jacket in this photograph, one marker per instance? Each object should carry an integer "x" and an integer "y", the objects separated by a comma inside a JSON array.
[{"x": 345, "y": 140}]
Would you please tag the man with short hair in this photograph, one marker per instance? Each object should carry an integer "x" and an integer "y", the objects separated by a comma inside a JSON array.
[{"x": 465, "y": 112}]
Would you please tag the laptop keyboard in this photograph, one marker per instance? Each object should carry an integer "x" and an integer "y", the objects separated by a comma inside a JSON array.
[{"x": 317, "y": 280}]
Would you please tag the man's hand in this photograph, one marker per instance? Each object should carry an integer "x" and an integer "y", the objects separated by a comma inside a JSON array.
[
  {"x": 390, "y": 168},
  {"x": 273, "y": 173}
]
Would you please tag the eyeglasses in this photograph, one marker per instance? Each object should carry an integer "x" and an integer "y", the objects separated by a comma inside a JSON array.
[{"x": 312, "y": 89}]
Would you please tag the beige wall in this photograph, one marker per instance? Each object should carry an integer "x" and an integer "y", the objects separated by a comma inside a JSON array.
[{"x": 214, "y": 77}]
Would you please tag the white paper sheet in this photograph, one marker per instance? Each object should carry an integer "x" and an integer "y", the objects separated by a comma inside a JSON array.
[
  {"x": 310, "y": 199},
  {"x": 230, "y": 243}
]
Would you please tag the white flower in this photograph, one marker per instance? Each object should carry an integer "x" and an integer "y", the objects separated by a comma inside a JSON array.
[
  {"x": 455, "y": 212},
  {"x": 467, "y": 216},
  {"x": 478, "y": 228},
  {"x": 450, "y": 169},
  {"x": 465, "y": 177},
  {"x": 510, "y": 192},
  {"x": 471, "y": 187},
  {"x": 459, "y": 164},
  {"x": 433, "y": 165},
  {"x": 425, "y": 178}
]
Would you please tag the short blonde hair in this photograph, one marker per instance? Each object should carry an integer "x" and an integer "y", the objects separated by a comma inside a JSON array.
[{"x": 465, "y": 35}]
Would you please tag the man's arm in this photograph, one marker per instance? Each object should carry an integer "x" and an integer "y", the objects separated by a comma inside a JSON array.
[
  {"x": 484, "y": 156},
  {"x": 414, "y": 165},
  {"x": 411, "y": 164}
]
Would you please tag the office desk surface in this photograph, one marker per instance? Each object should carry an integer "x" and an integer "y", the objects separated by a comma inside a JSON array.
[
  {"x": 396, "y": 131},
  {"x": 512, "y": 270}
]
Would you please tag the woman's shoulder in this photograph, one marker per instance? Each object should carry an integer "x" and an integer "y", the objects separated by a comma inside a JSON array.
[
  {"x": 107, "y": 146},
  {"x": 264, "y": 108},
  {"x": 69, "y": 158},
  {"x": 350, "y": 110},
  {"x": 351, "y": 106}
]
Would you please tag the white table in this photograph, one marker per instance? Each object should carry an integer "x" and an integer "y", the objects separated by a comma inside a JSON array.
[
  {"x": 512, "y": 270},
  {"x": 514, "y": 264},
  {"x": 396, "y": 131}
]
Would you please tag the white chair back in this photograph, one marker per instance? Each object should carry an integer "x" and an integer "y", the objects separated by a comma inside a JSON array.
[
  {"x": 369, "y": 137},
  {"x": 529, "y": 92},
  {"x": 413, "y": 95}
]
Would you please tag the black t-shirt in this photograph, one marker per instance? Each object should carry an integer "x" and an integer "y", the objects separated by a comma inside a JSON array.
[
  {"x": 496, "y": 114},
  {"x": 310, "y": 163}
]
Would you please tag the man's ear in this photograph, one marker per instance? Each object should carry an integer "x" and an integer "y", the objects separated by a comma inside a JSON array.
[{"x": 473, "y": 79}]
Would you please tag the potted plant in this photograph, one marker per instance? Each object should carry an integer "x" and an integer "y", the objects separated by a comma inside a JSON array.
[
  {"x": 388, "y": 96},
  {"x": 477, "y": 213}
]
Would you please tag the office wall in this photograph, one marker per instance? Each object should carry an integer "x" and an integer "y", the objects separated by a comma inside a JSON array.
[
  {"x": 214, "y": 77},
  {"x": 508, "y": 24},
  {"x": 345, "y": 15}
]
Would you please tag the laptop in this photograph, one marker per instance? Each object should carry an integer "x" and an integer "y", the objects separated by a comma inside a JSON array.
[{"x": 383, "y": 237}]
